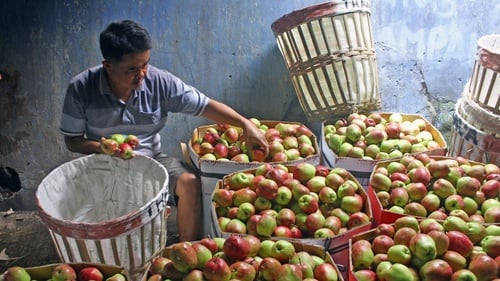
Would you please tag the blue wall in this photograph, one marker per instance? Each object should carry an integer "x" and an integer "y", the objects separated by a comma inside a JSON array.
[{"x": 425, "y": 51}]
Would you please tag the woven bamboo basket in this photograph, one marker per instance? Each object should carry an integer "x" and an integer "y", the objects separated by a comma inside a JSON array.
[
  {"x": 329, "y": 52},
  {"x": 102, "y": 209},
  {"x": 484, "y": 84}
]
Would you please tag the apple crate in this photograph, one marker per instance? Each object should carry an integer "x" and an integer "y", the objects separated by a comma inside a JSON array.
[
  {"x": 382, "y": 215},
  {"x": 44, "y": 272},
  {"x": 340, "y": 240},
  {"x": 362, "y": 168},
  {"x": 211, "y": 171},
  {"x": 311, "y": 249},
  {"x": 474, "y": 243}
]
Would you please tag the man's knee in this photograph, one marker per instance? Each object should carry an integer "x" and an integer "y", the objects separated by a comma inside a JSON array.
[{"x": 188, "y": 184}]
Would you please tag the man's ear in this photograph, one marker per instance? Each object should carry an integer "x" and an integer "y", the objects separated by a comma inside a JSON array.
[{"x": 106, "y": 64}]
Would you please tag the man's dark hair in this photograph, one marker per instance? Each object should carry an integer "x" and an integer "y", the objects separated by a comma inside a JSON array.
[{"x": 123, "y": 37}]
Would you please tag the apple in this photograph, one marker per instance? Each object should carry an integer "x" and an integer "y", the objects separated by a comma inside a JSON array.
[
  {"x": 403, "y": 235},
  {"x": 491, "y": 245},
  {"x": 351, "y": 204},
  {"x": 323, "y": 233},
  {"x": 460, "y": 243},
  {"x": 463, "y": 275},
  {"x": 209, "y": 243},
  {"x": 484, "y": 267},
  {"x": 399, "y": 253},
  {"x": 157, "y": 265},
  {"x": 242, "y": 271},
  {"x": 282, "y": 250},
  {"x": 286, "y": 217},
  {"x": 399, "y": 271},
  {"x": 90, "y": 273},
  {"x": 183, "y": 256},
  {"x": 282, "y": 231},
  {"x": 333, "y": 223},
  {"x": 278, "y": 173},
  {"x": 245, "y": 211},
  {"x": 455, "y": 223},
  {"x": 269, "y": 267},
  {"x": 327, "y": 195},
  {"x": 16, "y": 273},
  {"x": 362, "y": 254},
  {"x": 441, "y": 241},
  {"x": 314, "y": 221},
  {"x": 492, "y": 215},
  {"x": 267, "y": 188},
  {"x": 284, "y": 195},
  {"x": 265, "y": 225},
  {"x": 117, "y": 277},
  {"x": 381, "y": 243},
  {"x": 243, "y": 195},
  {"x": 455, "y": 260},
  {"x": 415, "y": 209},
  {"x": 240, "y": 180},
  {"x": 63, "y": 272},
  {"x": 216, "y": 269},
  {"x": 304, "y": 172},
  {"x": 308, "y": 204},
  {"x": 431, "y": 202},
  {"x": 203, "y": 254},
  {"x": 158, "y": 277},
  {"x": 262, "y": 203},
  {"x": 491, "y": 188},
  {"x": 126, "y": 151},
  {"x": 385, "y": 229},
  {"x": 357, "y": 219},
  {"x": 109, "y": 146},
  {"x": 242, "y": 158},
  {"x": 236, "y": 226},
  {"x": 222, "y": 222},
  {"x": 222, "y": 197},
  {"x": 380, "y": 182},
  {"x": 326, "y": 272},
  {"x": 436, "y": 269}
]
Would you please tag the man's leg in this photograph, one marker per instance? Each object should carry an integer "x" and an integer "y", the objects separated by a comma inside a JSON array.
[{"x": 188, "y": 191}]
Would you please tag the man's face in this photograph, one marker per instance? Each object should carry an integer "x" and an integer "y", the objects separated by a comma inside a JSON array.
[{"x": 129, "y": 72}]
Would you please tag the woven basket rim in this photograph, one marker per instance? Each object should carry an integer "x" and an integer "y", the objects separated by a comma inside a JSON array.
[{"x": 332, "y": 8}]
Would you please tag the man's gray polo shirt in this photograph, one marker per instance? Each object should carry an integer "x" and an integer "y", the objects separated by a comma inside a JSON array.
[{"x": 91, "y": 110}]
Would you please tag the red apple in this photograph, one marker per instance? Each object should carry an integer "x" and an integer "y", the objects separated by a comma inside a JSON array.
[
  {"x": 436, "y": 269},
  {"x": 381, "y": 243},
  {"x": 90, "y": 273},
  {"x": 357, "y": 219},
  {"x": 210, "y": 244},
  {"x": 216, "y": 269},
  {"x": 268, "y": 267},
  {"x": 325, "y": 272}
]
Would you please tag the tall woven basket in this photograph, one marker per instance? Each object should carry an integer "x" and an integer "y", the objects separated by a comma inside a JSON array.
[{"x": 329, "y": 52}]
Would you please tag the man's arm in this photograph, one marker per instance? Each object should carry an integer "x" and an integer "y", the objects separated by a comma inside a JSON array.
[
  {"x": 221, "y": 113},
  {"x": 82, "y": 145}
]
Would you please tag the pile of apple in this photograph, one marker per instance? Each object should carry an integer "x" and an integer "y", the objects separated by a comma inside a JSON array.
[
  {"x": 436, "y": 187},
  {"x": 63, "y": 272},
  {"x": 287, "y": 142},
  {"x": 374, "y": 137},
  {"x": 122, "y": 144},
  {"x": 427, "y": 249},
  {"x": 297, "y": 201},
  {"x": 244, "y": 258}
]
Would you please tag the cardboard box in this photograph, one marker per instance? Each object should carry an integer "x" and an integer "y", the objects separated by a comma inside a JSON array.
[
  {"x": 382, "y": 215},
  {"x": 327, "y": 243},
  {"x": 362, "y": 168},
  {"x": 311, "y": 249},
  {"x": 213, "y": 170},
  {"x": 44, "y": 272}
]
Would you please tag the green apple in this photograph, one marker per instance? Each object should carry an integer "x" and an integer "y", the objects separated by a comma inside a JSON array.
[{"x": 17, "y": 273}]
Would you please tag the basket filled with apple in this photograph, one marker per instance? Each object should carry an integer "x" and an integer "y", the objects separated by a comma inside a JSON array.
[
  {"x": 436, "y": 187},
  {"x": 66, "y": 271},
  {"x": 244, "y": 258},
  {"x": 425, "y": 249},
  {"x": 219, "y": 149},
  {"x": 303, "y": 203},
  {"x": 358, "y": 141}
]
